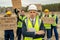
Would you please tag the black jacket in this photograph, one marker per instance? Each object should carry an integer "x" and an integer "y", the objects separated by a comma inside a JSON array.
[{"x": 31, "y": 34}]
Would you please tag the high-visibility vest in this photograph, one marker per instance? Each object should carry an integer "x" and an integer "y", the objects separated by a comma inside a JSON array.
[
  {"x": 47, "y": 26},
  {"x": 54, "y": 24},
  {"x": 20, "y": 22},
  {"x": 36, "y": 27}
]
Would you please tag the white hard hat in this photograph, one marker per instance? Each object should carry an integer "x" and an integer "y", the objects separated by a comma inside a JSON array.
[{"x": 32, "y": 7}]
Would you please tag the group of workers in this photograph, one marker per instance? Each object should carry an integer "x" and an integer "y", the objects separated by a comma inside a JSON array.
[{"x": 32, "y": 27}]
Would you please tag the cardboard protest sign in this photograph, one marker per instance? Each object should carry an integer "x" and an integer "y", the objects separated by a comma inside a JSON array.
[
  {"x": 16, "y": 3},
  {"x": 48, "y": 20},
  {"x": 8, "y": 23}
]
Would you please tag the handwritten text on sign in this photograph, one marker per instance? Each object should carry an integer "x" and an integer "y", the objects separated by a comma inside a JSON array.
[
  {"x": 8, "y": 23},
  {"x": 48, "y": 20}
]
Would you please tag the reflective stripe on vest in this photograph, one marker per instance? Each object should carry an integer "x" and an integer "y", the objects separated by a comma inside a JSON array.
[
  {"x": 47, "y": 26},
  {"x": 20, "y": 23},
  {"x": 29, "y": 38},
  {"x": 36, "y": 27},
  {"x": 54, "y": 24}
]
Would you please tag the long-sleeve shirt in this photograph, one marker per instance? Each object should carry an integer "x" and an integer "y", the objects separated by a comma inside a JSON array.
[
  {"x": 56, "y": 20},
  {"x": 31, "y": 34}
]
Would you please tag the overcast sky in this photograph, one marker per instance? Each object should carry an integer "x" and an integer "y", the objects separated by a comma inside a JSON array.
[{"x": 27, "y": 2}]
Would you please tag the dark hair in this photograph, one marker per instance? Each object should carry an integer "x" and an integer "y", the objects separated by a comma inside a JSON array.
[{"x": 22, "y": 10}]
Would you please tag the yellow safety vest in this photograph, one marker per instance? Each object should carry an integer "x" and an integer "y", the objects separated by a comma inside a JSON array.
[
  {"x": 36, "y": 27},
  {"x": 19, "y": 22},
  {"x": 47, "y": 26},
  {"x": 54, "y": 24}
]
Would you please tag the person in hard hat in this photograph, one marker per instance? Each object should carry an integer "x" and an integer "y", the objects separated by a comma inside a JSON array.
[
  {"x": 46, "y": 11},
  {"x": 54, "y": 25},
  {"x": 47, "y": 26},
  {"x": 8, "y": 12},
  {"x": 8, "y": 34},
  {"x": 33, "y": 28},
  {"x": 20, "y": 18}
]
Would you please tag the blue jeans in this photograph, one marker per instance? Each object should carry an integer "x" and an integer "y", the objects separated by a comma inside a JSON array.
[
  {"x": 19, "y": 32},
  {"x": 55, "y": 32},
  {"x": 48, "y": 33},
  {"x": 9, "y": 35}
]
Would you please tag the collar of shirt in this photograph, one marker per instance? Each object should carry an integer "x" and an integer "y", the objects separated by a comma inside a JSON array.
[
  {"x": 52, "y": 15},
  {"x": 46, "y": 15},
  {"x": 33, "y": 20}
]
